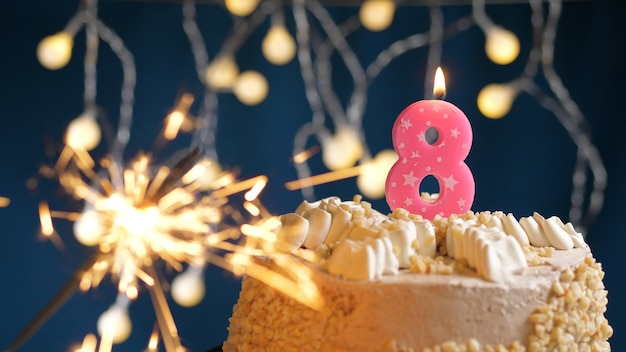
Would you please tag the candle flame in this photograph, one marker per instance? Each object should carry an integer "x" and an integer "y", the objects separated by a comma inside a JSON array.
[
  {"x": 439, "y": 88},
  {"x": 4, "y": 202}
]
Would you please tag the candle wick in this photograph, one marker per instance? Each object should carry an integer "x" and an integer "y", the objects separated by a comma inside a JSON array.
[{"x": 439, "y": 95}]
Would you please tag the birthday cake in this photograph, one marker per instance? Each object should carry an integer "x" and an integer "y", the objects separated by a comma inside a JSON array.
[{"x": 478, "y": 281}]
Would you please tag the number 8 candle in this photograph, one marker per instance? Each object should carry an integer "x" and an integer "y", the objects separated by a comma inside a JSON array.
[{"x": 419, "y": 156}]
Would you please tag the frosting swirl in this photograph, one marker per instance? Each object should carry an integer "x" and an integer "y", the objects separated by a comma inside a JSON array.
[{"x": 355, "y": 242}]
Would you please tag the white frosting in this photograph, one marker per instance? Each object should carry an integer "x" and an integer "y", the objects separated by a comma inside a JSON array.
[
  {"x": 426, "y": 243},
  {"x": 368, "y": 259},
  {"x": 386, "y": 261},
  {"x": 513, "y": 228},
  {"x": 551, "y": 232},
  {"x": 340, "y": 223},
  {"x": 292, "y": 233},
  {"x": 556, "y": 235},
  {"x": 577, "y": 237},
  {"x": 489, "y": 250},
  {"x": 401, "y": 240},
  {"x": 536, "y": 237},
  {"x": 352, "y": 260},
  {"x": 454, "y": 235},
  {"x": 364, "y": 244},
  {"x": 361, "y": 230},
  {"x": 319, "y": 224},
  {"x": 495, "y": 221}
]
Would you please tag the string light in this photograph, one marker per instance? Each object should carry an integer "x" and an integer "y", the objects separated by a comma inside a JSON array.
[
  {"x": 343, "y": 150},
  {"x": 241, "y": 7},
  {"x": 4, "y": 202},
  {"x": 88, "y": 228},
  {"x": 188, "y": 288},
  {"x": 377, "y": 15},
  {"x": 495, "y": 100},
  {"x": 278, "y": 45},
  {"x": 55, "y": 51},
  {"x": 501, "y": 45},
  {"x": 83, "y": 132},
  {"x": 207, "y": 115},
  {"x": 114, "y": 323},
  {"x": 250, "y": 87},
  {"x": 373, "y": 175},
  {"x": 222, "y": 72}
]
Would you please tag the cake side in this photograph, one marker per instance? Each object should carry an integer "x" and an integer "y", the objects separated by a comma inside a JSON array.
[
  {"x": 417, "y": 312},
  {"x": 439, "y": 294}
]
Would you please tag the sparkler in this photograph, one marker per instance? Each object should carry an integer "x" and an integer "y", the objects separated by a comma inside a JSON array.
[
  {"x": 180, "y": 216},
  {"x": 140, "y": 214}
]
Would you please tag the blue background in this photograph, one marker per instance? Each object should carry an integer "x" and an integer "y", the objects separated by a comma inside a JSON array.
[{"x": 521, "y": 163}]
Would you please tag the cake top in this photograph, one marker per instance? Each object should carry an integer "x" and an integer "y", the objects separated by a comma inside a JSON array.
[{"x": 351, "y": 240}]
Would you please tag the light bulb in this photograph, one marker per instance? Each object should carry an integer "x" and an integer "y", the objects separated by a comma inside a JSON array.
[
  {"x": 501, "y": 45},
  {"x": 83, "y": 132},
  {"x": 55, "y": 51},
  {"x": 88, "y": 228},
  {"x": 495, "y": 100},
  {"x": 373, "y": 175},
  {"x": 343, "y": 150},
  {"x": 250, "y": 88},
  {"x": 188, "y": 287},
  {"x": 377, "y": 15},
  {"x": 278, "y": 45},
  {"x": 241, "y": 7},
  {"x": 115, "y": 323},
  {"x": 221, "y": 73}
]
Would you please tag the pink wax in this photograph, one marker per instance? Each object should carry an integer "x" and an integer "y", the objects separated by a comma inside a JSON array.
[{"x": 443, "y": 158}]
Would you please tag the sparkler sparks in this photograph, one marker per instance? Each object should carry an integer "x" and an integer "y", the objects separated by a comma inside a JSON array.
[{"x": 143, "y": 213}]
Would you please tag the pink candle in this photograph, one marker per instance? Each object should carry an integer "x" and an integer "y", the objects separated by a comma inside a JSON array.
[{"x": 443, "y": 158}]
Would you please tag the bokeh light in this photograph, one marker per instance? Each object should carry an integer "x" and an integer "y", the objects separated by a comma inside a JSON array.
[
  {"x": 222, "y": 72},
  {"x": 373, "y": 176},
  {"x": 377, "y": 15},
  {"x": 55, "y": 51},
  {"x": 115, "y": 323},
  {"x": 188, "y": 287},
  {"x": 278, "y": 46},
  {"x": 241, "y": 7},
  {"x": 343, "y": 150},
  {"x": 501, "y": 45},
  {"x": 83, "y": 132},
  {"x": 251, "y": 88},
  {"x": 495, "y": 100}
]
